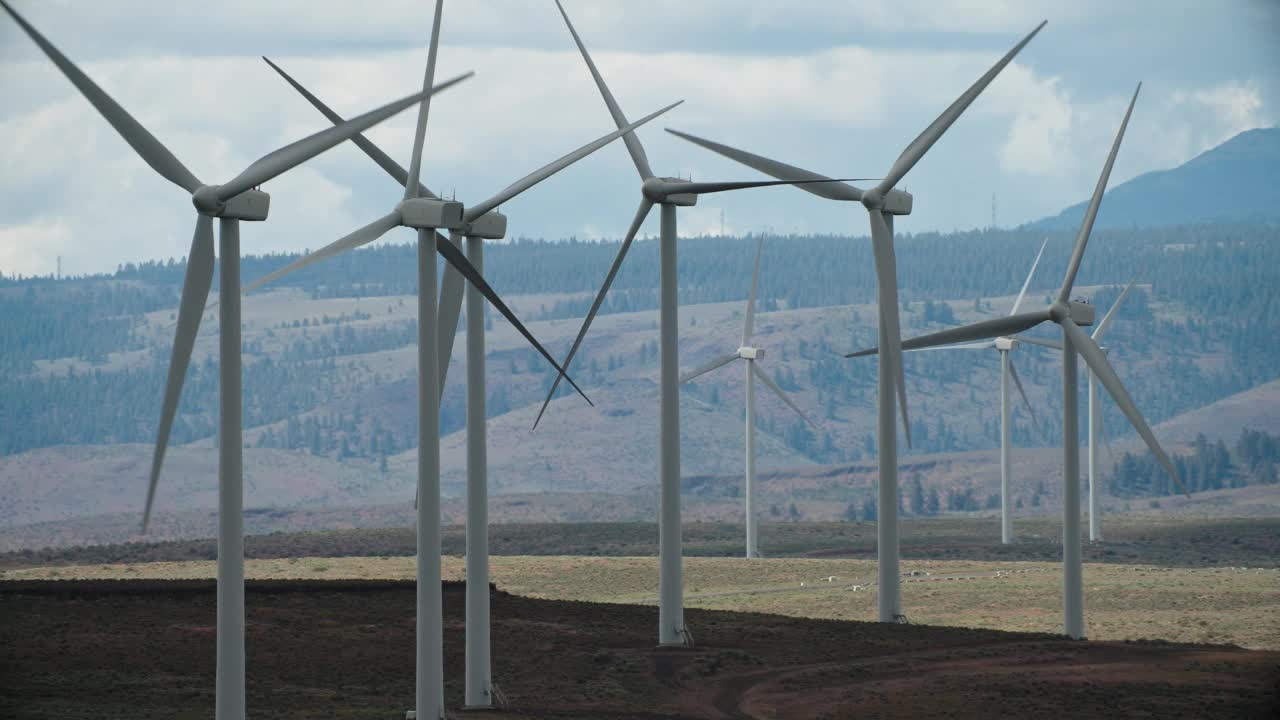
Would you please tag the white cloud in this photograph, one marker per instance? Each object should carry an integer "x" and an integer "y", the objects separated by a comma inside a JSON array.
[
  {"x": 794, "y": 86},
  {"x": 33, "y": 248}
]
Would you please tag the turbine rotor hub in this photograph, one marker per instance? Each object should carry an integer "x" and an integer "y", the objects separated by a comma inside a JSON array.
[
  {"x": 658, "y": 190},
  {"x": 872, "y": 200},
  {"x": 205, "y": 198},
  {"x": 1059, "y": 311}
]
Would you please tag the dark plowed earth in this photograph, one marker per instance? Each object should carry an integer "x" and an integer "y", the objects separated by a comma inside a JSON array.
[{"x": 139, "y": 649}]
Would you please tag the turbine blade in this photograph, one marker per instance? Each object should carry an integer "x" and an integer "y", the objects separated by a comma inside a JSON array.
[
  {"x": 375, "y": 153},
  {"x": 960, "y": 346},
  {"x": 294, "y": 154},
  {"x": 455, "y": 257},
  {"x": 891, "y": 329},
  {"x": 1042, "y": 342},
  {"x": 449, "y": 311},
  {"x": 633, "y": 143},
  {"x": 1102, "y": 432},
  {"x": 925, "y": 140},
  {"x": 143, "y": 142},
  {"x": 764, "y": 378},
  {"x": 994, "y": 328},
  {"x": 641, "y": 213},
  {"x": 195, "y": 292},
  {"x": 1013, "y": 372},
  {"x": 748, "y": 325},
  {"x": 1106, "y": 319},
  {"x": 705, "y": 188},
  {"x": 704, "y": 369},
  {"x": 832, "y": 190},
  {"x": 1097, "y": 361},
  {"x": 1027, "y": 283},
  {"x": 1091, "y": 214},
  {"x": 550, "y": 169},
  {"x": 363, "y": 236},
  {"x": 424, "y": 109}
]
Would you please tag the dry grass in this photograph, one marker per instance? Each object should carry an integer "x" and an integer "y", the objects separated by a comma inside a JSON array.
[{"x": 1123, "y": 602}]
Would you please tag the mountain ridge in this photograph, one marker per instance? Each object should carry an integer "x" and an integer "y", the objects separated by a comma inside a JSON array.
[{"x": 1236, "y": 181}]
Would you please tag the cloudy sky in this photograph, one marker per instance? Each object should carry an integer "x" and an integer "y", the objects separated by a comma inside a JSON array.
[{"x": 837, "y": 87}]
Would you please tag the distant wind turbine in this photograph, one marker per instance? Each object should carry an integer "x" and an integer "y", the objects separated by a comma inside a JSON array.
[
  {"x": 1095, "y": 422},
  {"x": 1070, "y": 316},
  {"x": 669, "y": 193},
  {"x": 751, "y": 354},
  {"x": 1005, "y": 345},
  {"x": 882, "y": 203}
]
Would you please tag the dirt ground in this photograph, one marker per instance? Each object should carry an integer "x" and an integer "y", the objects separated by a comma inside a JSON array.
[{"x": 344, "y": 649}]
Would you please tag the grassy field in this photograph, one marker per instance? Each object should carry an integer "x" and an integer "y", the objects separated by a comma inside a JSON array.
[{"x": 1123, "y": 602}]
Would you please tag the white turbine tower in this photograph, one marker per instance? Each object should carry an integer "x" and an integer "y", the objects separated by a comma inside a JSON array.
[
  {"x": 1095, "y": 430},
  {"x": 477, "y": 222},
  {"x": 231, "y": 202},
  {"x": 1005, "y": 346},
  {"x": 882, "y": 203},
  {"x": 1070, "y": 316},
  {"x": 746, "y": 351},
  {"x": 1095, "y": 423},
  {"x": 480, "y": 223},
  {"x": 670, "y": 193}
]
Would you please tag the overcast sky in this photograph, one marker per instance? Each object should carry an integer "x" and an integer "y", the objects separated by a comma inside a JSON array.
[{"x": 836, "y": 87}]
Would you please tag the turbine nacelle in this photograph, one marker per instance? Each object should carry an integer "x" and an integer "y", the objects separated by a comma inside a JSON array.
[
  {"x": 489, "y": 226},
  {"x": 1006, "y": 343},
  {"x": 250, "y": 205},
  {"x": 1081, "y": 313},
  {"x": 894, "y": 202},
  {"x": 431, "y": 214},
  {"x": 750, "y": 353},
  {"x": 655, "y": 190}
]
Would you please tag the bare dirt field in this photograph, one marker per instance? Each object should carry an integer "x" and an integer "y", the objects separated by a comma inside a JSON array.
[{"x": 344, "y": 649}]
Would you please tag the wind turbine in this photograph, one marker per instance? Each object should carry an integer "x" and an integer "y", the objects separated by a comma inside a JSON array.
[
  {"x": 1095, "y": 416},
  {"x": 1070, "y": 315},
  {"x": 669, "y": 193},
  {"x": 882, "y": 202},
  {"x": 751, "y": 354},
  {"x": 1095, "y": 422},
  {"x": 479, "y": 222},
  {"x": 1005, "y": 345},
  {"x": 239, "y": 199}
]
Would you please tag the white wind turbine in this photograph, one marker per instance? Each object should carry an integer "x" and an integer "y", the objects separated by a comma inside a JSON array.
[
  {"x": 477, "y": 222},
  {"x": 1095, "y": 423},
  {"x": 1004, "y": 345},
  {"x": 1095, "y": 430},
  {"x": 751, "y": 354},
  {"x": 239, "y": 199},
  {"x": 1070, "y": 316},
  {"x": 669, "y": 193},
  {"x": 486, "y": 225},
  {"x": 882, "y": 203}
]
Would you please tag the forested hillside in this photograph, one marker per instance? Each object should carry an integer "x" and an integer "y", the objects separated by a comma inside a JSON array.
[{"x": 329, "y": 359}]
